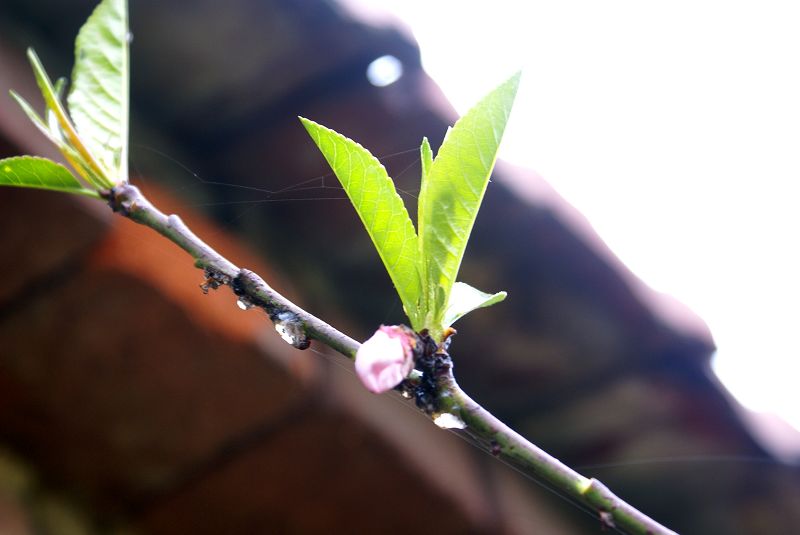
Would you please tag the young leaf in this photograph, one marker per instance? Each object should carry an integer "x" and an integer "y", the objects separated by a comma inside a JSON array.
[
  {"x": 83, "y": 160},
  {"x": 426, "y": 160},
  {"x": 425, "y": 157},
  {"x": 52, "y": 130},
  {"x": 452, "y": 193},
  {"x": 464, "y": 299},
  {"x": 40, "y": 173},
  {"x": 380, "y": 208},
  {"x": 98, "y": 99}
]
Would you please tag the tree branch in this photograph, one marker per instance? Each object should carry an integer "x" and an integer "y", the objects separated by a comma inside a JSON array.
[
  {"x": 502, "y": 441},
  {"x": 294, "y": 324},
  {"x": 298, "y": 327}
]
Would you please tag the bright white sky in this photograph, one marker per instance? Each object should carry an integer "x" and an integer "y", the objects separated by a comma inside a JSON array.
[{"x": 675, "y": 128}]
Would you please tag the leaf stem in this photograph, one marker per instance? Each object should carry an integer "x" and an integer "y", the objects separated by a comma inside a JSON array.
[{"x": 495, "y": 436}]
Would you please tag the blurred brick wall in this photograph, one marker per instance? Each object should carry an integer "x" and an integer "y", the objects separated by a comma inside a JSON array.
[{"x": 140, "y": 403}]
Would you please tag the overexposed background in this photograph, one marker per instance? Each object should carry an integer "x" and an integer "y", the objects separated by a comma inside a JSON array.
[{"x": 675, "y": 129}]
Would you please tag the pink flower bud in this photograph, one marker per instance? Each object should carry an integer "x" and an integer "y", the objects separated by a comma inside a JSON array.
[{"x": 384, "y": 360}]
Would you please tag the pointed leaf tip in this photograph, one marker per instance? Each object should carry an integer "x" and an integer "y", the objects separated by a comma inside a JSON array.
[
  {"x": 426, "y": 157},
  {"x": 453, "y": 191},
  {"x": 464, "y": 299}
]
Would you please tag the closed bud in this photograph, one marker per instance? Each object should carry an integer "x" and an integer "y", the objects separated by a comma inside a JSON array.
[{"x": 383, "y": 361}]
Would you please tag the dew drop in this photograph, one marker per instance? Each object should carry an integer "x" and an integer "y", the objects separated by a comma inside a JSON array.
[
  {"x": 445, "y": 420},
  {"x": 291, "y": 330},
  {"x": 285, "y": 333}
]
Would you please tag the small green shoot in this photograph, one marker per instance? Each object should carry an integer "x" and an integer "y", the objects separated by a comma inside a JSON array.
[
  {"x": 92, "y": 130},
  {"x": 424, "y": 264}
]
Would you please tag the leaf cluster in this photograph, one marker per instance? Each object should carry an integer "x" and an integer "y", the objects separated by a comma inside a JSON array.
[
  {"x": 91, "y": 128},
  {"x": 423, "y": 263}
]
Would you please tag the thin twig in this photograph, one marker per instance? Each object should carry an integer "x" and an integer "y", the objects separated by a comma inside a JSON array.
[
  {"x": 298, "y": 326},
  {"x": 502, "y": 441},
  {"x": 129, "y": 201}
]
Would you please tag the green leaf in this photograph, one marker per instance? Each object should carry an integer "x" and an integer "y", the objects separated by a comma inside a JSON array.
[
  {"x": 452, "y": 194},
  {"x": 40, "y": 173},
  {"x": 61, "y": 128},
  {"x": 426, "y": 160},
  {"x": 464, "y": 299},
  {"x": 52, "y": 130},
  {"x": 98, "y": 99},
  {"x": 380, "y": 208}
]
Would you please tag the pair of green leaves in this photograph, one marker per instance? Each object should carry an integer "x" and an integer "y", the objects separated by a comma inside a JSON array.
[
  {"x": 93, "y": 136},
  {"x": 423, "y": 263}
]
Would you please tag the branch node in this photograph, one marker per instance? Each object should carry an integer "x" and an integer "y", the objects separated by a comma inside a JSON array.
[
  {"x": 429, "y": 390},
  {"x": 118, "y": 200}
]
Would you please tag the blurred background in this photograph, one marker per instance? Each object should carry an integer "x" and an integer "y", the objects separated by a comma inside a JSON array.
[{"x": 662, "y": 143}]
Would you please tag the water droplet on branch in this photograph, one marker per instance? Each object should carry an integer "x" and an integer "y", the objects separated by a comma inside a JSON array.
[
  {"x": 446, "y": 420},
  {"x": 291, "y": 329}
]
